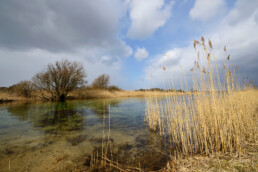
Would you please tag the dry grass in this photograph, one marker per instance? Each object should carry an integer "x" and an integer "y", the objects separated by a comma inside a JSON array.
[
  {"x": 7, "y": 97},
  {"x": 220, "y": 120},
  {"x": 219, "y": 162},
  {"x": 88, "y": 94},
  {"x": 98, "y": 94}
]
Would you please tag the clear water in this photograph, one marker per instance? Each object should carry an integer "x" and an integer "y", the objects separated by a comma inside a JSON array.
[{"x": 61, "y": 136}]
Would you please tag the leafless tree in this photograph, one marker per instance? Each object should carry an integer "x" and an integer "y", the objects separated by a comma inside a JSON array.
[
  {"x": 59, "y": 79},
  {"x": 101, "y": 82}
]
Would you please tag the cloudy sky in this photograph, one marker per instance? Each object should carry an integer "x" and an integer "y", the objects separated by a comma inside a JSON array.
[{"x": 130, "y": 40}]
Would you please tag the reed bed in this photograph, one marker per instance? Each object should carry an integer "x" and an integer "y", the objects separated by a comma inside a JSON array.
[{"x": 220, "y": 119}]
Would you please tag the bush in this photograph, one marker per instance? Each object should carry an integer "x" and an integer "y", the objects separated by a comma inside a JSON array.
[
  {"x": 114, "y": 88},
  {"x": 101, "y": 82},
  {"x": 23, "y": 88},
  {"x": 59, "y": 79}
]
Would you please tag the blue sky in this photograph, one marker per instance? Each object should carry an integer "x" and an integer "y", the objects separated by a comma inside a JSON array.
[{"x": 129, "y": 40}]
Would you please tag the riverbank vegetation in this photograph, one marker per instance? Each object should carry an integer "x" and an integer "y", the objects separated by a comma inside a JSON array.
[
  {"x": 66, "y": 80},
  {"x": 217, "y": 128},
  {"x": 7, "y": 95}
]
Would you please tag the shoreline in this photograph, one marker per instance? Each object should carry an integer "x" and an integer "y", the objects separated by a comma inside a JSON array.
[{"x": 6, "y": 97}]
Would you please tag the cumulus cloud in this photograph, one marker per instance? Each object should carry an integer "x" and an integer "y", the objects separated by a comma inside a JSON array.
[
  {"x": 35, "y": 33},
  {"x": 141, "y": 53},
  {"x": 57, "y": 25},
  {"x": 242, "y": 11},
  {"x": 204, "y": 10},
  {"x": 147, "y": 16},
  {"x": 62, "y": 25},
  {"x": 176, "y": 61},
  {"x": 240, "y": 37}
]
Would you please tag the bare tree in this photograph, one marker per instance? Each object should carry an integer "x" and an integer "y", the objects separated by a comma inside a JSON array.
[
  {"x": 59, "y": 79},
  {"x": 101, "y": 82}
]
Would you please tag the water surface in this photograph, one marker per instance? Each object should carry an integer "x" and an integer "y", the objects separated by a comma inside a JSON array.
[{"x": 54, "y": 136}]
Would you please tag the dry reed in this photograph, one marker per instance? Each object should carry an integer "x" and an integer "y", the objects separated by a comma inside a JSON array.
[{"x": 221, "y": 119}]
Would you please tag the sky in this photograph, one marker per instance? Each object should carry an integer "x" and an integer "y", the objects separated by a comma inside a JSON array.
[{"x": 130, "y": 40}]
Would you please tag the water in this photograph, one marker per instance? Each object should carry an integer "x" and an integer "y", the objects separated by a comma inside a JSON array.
[{"x": 64, "y": 136}]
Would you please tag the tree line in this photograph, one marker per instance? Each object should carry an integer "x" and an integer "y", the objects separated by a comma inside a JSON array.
[{"x": 58, "y": 79}]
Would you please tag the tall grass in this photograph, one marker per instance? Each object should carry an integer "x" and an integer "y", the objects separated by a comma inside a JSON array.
[
  {"x": 8, "y": 97},
  {"x": 221, "y": 118}
]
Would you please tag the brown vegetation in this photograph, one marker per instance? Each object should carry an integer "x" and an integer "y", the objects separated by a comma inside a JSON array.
[
  {"x": 59, "y": 79},
  {"x": 88, "y": 93},
  {"x": 7, "y": 97},
  {"x": 65, "y": 79},
  {"x": 22, "y": 91},
  {"x": 23, "y": 88},
  {"x": 99, "y": 93},
  {"x": 220, "y": 121},
  {"x": 101, "y": 82}
]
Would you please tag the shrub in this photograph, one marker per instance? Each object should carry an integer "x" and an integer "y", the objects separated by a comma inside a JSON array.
[
  {"x": 114, "y": 88},
  {"x": 59, "y": 79},
  {"x": 101, "y": 82},
  {"x": 23, "y": 88}
]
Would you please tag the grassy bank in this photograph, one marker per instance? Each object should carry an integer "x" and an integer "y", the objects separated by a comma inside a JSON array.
[
  {"x": 6, "y": 96},
  {"x": 97, "y": 94}
]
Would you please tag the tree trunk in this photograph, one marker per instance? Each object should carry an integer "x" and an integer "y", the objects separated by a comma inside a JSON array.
[{"x": 62, "y": 98}]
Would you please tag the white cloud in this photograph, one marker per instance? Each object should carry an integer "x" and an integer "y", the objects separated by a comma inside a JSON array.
[
  {"x": 204, "y": 9},
  {"x": 31, "y": 36},
  {"x": 175, "y": 61},
  {"x": 56, "y": 26},
  {"x": 242, "y": 11},
  {"x": 60, "y": 25},
  {"x": 147, "y": 16},
  {"x": 16, "y": 66},
  {"x": 141, "y": 53},
  {"x": 240, "y": 37}
]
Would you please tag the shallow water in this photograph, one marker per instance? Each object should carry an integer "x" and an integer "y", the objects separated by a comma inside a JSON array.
[{"x": 61, "y": 136}]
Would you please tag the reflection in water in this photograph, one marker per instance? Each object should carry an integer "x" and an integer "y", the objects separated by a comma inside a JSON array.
[
  {"x": 51, "y": 117},
  {"x": 101, "y": 107},
  {"x": 75, "y": 130},
  {"x": 61, "y": 120},
  {"x": 59, "y": 117}
]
